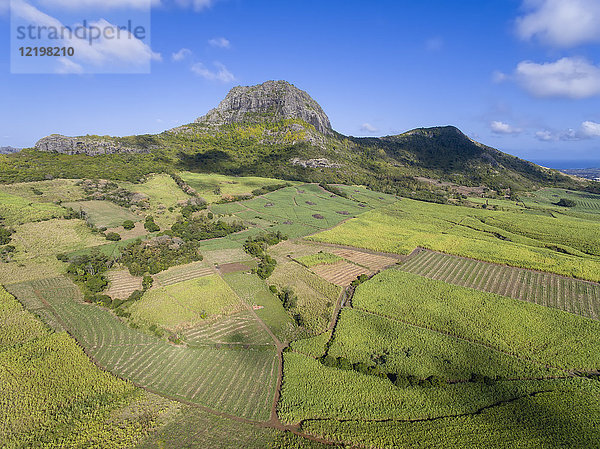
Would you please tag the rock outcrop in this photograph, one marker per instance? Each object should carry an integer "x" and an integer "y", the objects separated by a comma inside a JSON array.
[
  {"x": 90, "y": 146},
  {"x": 270, "y": 101},
  {"x": 9, "y": 150}
]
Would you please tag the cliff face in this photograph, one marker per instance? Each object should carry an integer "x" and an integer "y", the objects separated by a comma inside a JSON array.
[
  {"x": 270, "y": 101},
  {"x": 89, "y": 146}
]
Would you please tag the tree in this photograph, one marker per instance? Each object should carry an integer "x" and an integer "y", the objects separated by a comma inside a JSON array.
[
  {"x": 96, "y": 283},
  {"x": 128, "y": 225},
  {"x": 113, "y": 236},
  {"x": 565, "y": 202}
]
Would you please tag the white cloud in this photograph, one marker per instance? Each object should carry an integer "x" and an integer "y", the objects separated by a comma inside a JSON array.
[
  {"x": 101, "y": 4},
  {"x": 123, "y": 48},
  {"x": 560, "y": 23},
  {"x": 4, "y": 7},
  {"x": 590, "y": 129},
  {"x": 499, "y": 77},
  {"x": 368, "y": 128},
  {"x": 221, "y": 73},
  {"x": 219, "y": 42},
  {"x": 567, "y": 77},
  {"x": 498, "y": 127},
  {"x": 587, "y": 130},
  {"x": 68, "y": 66},
  {"x": 545, "y": 136},
  {"x": 181, "y": 54},
  {"x": 197, "y": 5}
]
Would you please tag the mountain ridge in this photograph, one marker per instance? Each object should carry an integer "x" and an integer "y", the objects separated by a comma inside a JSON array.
[{"x": 275, "y": 129}]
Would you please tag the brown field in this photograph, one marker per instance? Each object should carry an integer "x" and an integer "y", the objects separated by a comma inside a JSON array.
[
  {"x": 182, "y": 273},
  {"x": 122, "y": 284},
  {"x": 373, "y": 262},
  {"x": 341, "y": 273},
  {"x": 233, "y": 268},
  {"x": 550, "y": 290}
]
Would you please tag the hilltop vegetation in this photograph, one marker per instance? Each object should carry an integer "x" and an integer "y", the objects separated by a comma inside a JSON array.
[{"x": 275, "y": 130}]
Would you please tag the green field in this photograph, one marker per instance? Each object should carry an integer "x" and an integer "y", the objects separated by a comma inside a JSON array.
[
  {"x": 406, "y": 350},
  {"x": 550, "y": 419},
  {"x": 52, "y": 392},
  {"x": 103, "y": 213},
  {"x": 515, "y": 327},
  {"x": 562, "y": 245},
  {"x": 212, "y": 187},
  {"x": 547, "y": 198},
  {"x": 186, "y": 304},
  {"x": 254, "y": 291},
  {"x": 235, "y": 381},
  {"x": 438, "y": 351},
  {"x": 413, "y": 326},
  {"x": 318, "y": 259},
  {"x": 163, "y": 193},
  {"x": 15, "y": 210},
  {"x": 52, "y": 191},
  {"x": 316, "y": 296},
  {"x": 314, "y": 391},
  {"x": 314, "y": 346},
  {"x": 571, "y": 295},
  {"x": 241, "y": 328},
  {"x": 48, "y": 238},
  {"x": 193, "y": 428}
]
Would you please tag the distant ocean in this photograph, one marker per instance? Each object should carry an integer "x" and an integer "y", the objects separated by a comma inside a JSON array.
[{"x": 569, "y": 164}]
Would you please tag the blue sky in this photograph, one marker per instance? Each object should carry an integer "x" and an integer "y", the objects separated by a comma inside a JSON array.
[{"x": 519, "y": 75}]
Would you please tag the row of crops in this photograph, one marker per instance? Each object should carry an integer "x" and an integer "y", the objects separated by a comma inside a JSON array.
[
  {"x": 51, "y": 392},
  {"x": 516, "y": 327},
  {"x": 571, "y": 295},
  {"x": 556, "y": 244},
  {"x": 239, "y": 382}
]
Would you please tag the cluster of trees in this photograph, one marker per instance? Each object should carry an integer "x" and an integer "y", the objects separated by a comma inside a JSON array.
[
  {"x": 333, "y": 189},
  {"x": 87, "y": 271},
  {"x": 5, "y": 248},
  {"x": 565, "y": 202},
  {"x": 31, "y": 165},
  {"x": 268, "y": 189},
  {"x": 289, "y": 300},
  {"x": 158, "y": 255},
  {"x": 257, "y": 247},
  {"x": 183, "y": 185},
  {"x": 203, "y": 228},
  {"x": 112, "y": 236},
  {"x": 359, "y": 280},
  {"x": 150, "y": 225},
  {"x": 398, "y": 380}
]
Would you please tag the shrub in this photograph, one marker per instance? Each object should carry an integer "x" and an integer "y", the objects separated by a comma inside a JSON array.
[
  {"x": 147, "y": 282},
  {"x": 565, "y": 202},
  {"x": 96, "y": 283},
  {"x": 150, "y": 226},
  {"x": 136, "y": 295},
  {"x": 113, "y": 236},
  {"x": 128, "y": 225}
]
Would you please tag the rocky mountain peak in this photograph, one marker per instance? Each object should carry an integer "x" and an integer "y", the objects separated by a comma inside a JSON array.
[{"x": 270, "y": 101}]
